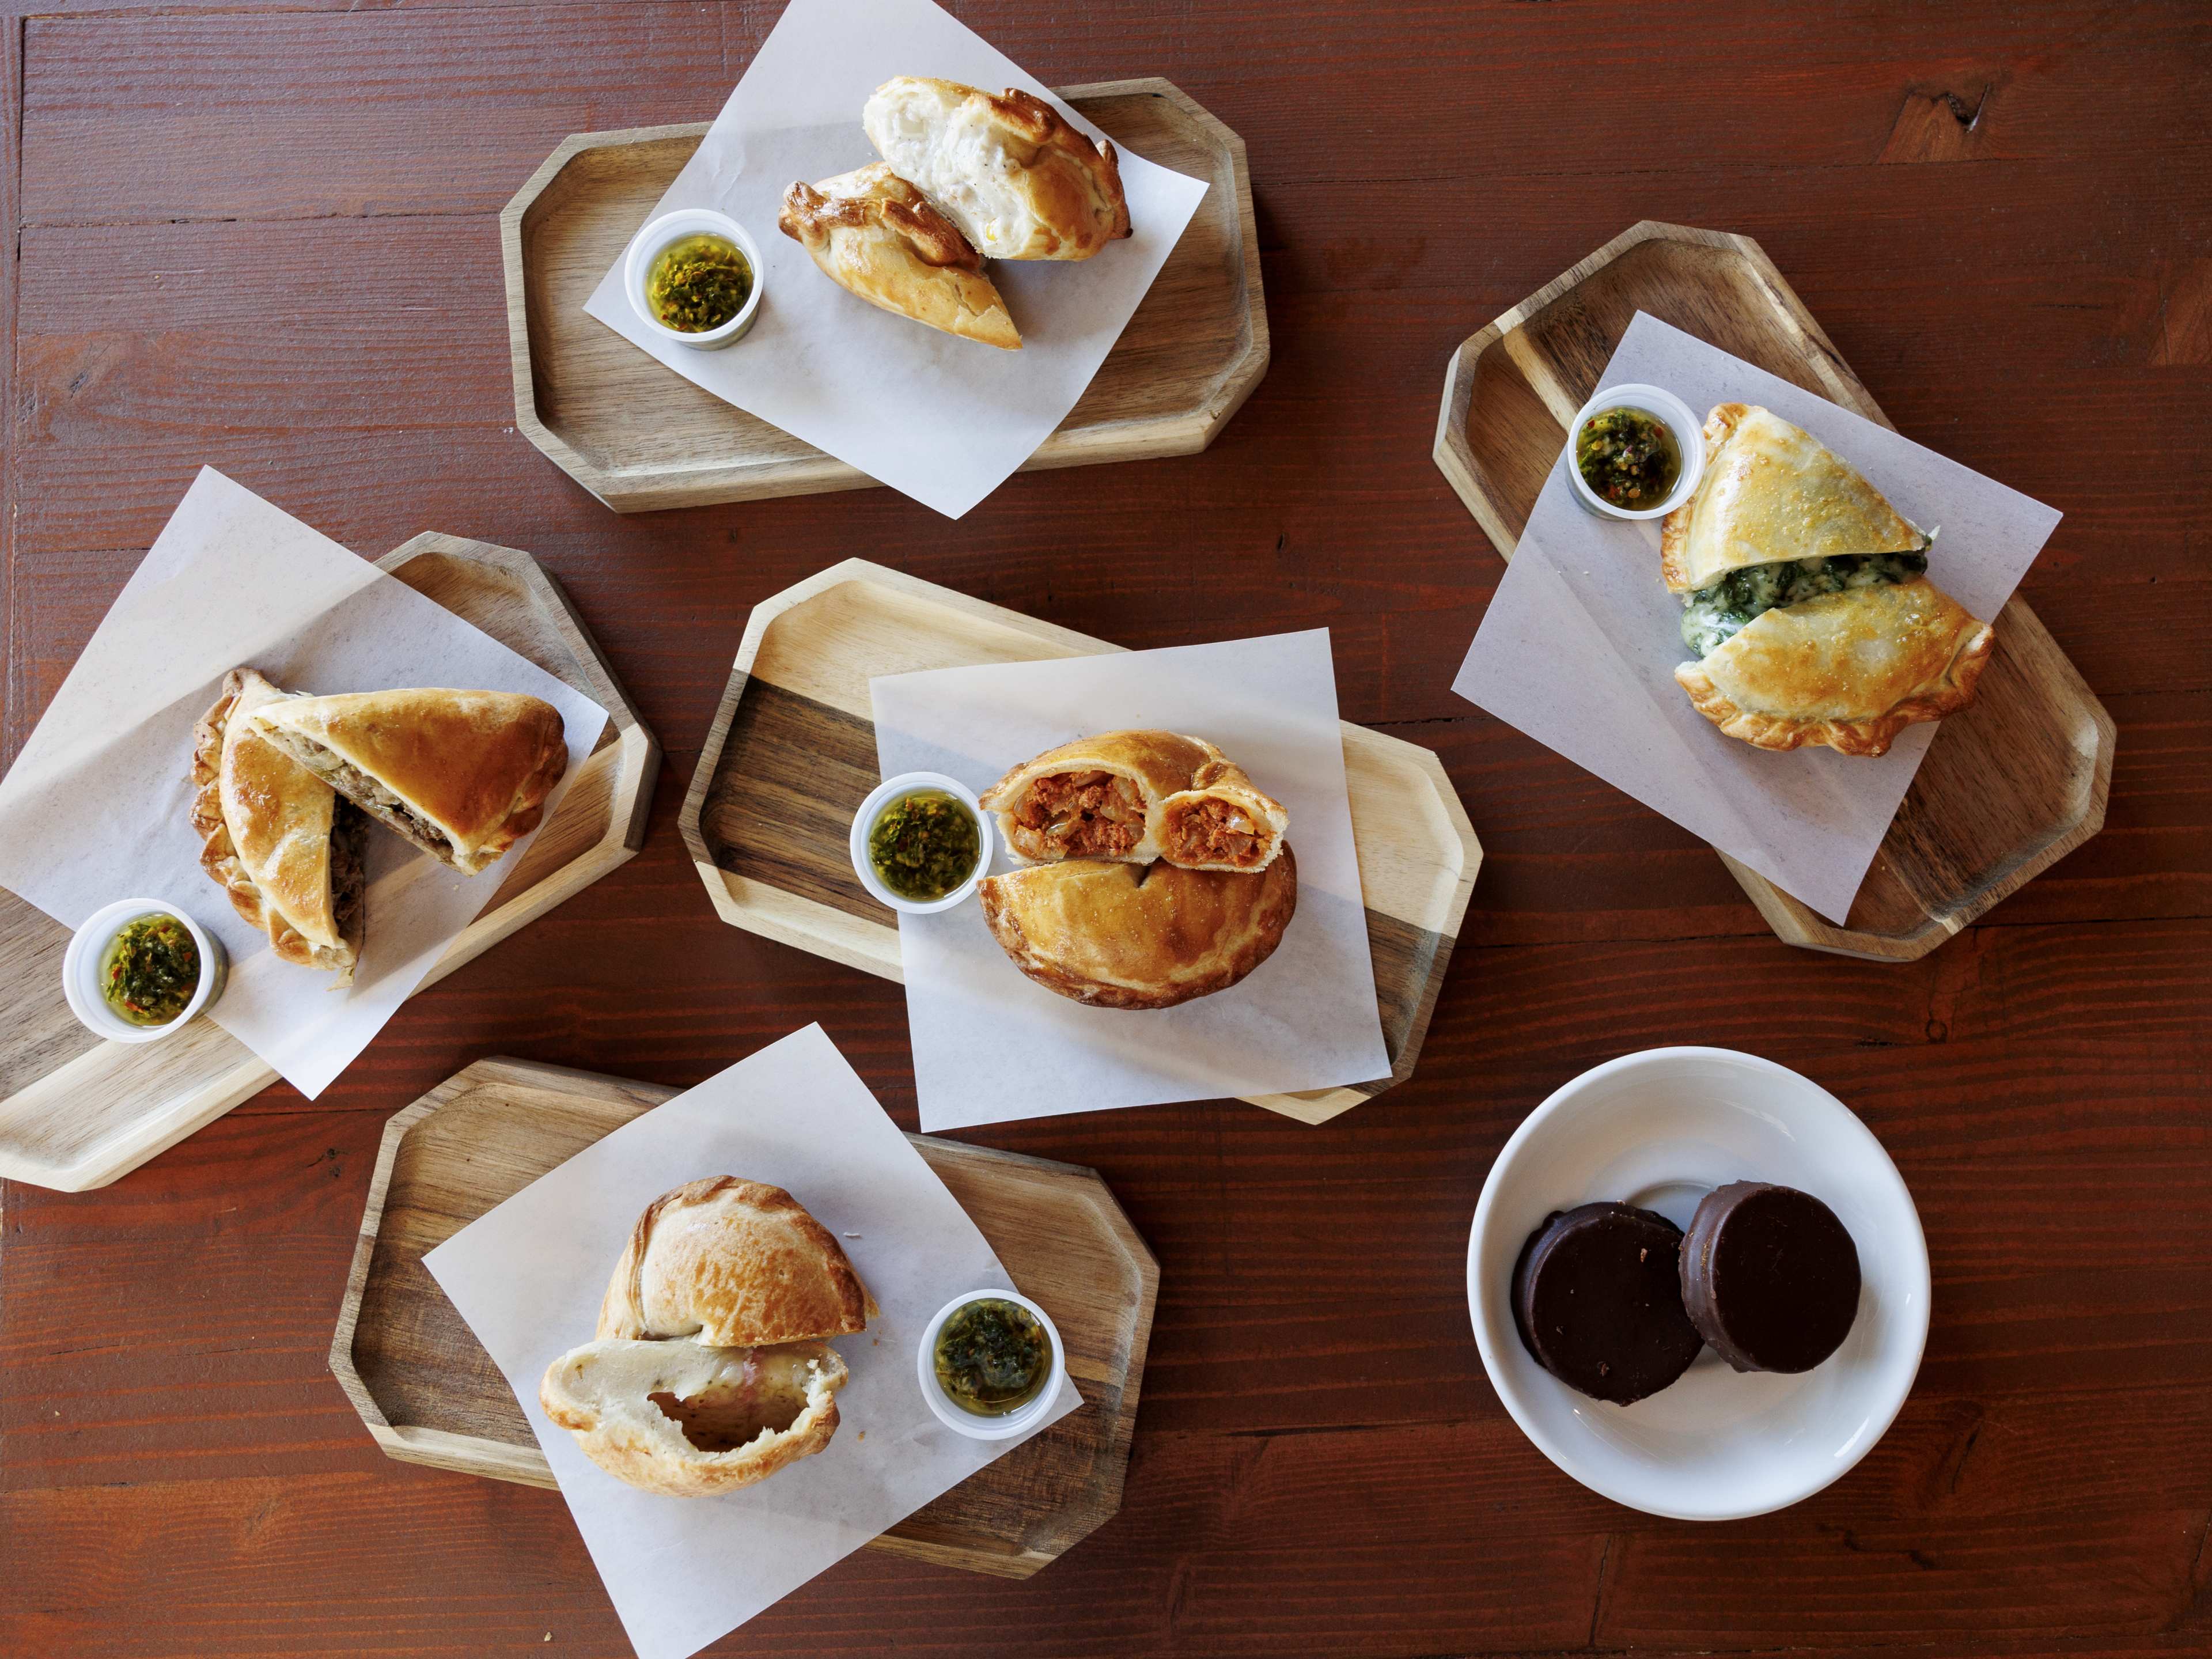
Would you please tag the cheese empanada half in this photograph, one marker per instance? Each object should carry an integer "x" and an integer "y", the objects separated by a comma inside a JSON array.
[
  {"x": 1135, "y": 797},
  {"x": 1850, "y": 669},
  {"x": 1771, "y": 491}
]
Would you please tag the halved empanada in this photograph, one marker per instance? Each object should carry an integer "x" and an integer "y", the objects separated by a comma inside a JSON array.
[
  {"x": 1772, "y": 491},
  {"x": 1114, "y": 936},
  {"x": 1849, "y": 670},
  {"x": 1135, "y": 797},
  {"x": 690, "y": 1421}
]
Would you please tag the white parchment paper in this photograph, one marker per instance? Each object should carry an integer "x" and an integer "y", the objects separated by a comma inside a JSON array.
[
  {"x": 1579, "y": 645},
  {"x": 98, "y": 805},
  {"x": 943, "y": 419},
  {"x": 528, "y": 1276},
  {"x": 988, "y": 1044}
]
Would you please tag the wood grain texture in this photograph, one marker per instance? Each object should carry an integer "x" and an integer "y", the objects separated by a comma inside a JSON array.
[
  {"x": 77, "y": 1112},
  {"x": 640, "y": 438},
  {"x": 266, "y": 238},
  {"x": 429, "y": 1394},
  {"x": 792, "y": 755},
  {"x": 2017, "y": 780}
]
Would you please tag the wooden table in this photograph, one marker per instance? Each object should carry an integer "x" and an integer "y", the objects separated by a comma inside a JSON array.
[{"x": 265, "y": 239}]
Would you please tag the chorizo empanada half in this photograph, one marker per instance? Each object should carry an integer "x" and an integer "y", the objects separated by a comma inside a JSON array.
[
  {"x": 1117, "y": 935},
  {"x": 1805, "y": 597},
  {"x": 1135, "y": 797}
]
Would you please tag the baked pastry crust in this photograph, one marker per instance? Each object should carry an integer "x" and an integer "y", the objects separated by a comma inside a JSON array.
[
  {"x": 1018, "y": 181},
  {"x": 1155, "y": 801},
  {"x": 1849, "y": 670},
  {"x": 273, "y": 836},
  {"x": 875, "y": 236},
  {"x": 463, "y": 774},
  {"x": 735, "y": 1264},
  {"x": 604, "y": 1392},
  {"x": 1772, "y": 491},
  {"x": 1112, "y": 935}
]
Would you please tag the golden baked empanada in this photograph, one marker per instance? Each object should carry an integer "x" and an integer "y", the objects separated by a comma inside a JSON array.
[
  {"x": 1135, "y": 797},
  {"x": 873, "y": 235},
  {"x": 1126, "y": 936},
  {"x": 1805, "y": 597},
  {"x": 1770, "y": 491},
  {"x": 1850, "y": 669}
]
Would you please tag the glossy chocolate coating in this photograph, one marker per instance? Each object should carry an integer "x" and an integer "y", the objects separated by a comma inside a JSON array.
[
  {"x": 1597, "y": 1299},
  {"x": 1769, "y": 1277}
]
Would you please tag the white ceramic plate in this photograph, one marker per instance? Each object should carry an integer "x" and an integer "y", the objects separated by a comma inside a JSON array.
[{"x": 1659, "y": 1130}]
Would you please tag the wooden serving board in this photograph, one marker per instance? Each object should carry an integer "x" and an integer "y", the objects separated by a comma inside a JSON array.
[
  {"x": 430, "y": 1394},
  {"x": 792, "y": 754},
  {"x": 2010, "y": 786},
  {"x": 77, "y": 1112},
  {"x": 640, "y": 437}
]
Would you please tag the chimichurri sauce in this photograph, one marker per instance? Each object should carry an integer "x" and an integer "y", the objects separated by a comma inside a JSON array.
[
  {"x": 924, "y": 845},
  {"x": 1628, "y": 458},
  {"x": 150, "y": 970},
  {"x": 992, "y": 1357},
  {"x": 698, "y": 283}
]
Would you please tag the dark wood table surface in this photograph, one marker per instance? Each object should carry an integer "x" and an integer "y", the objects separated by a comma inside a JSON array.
[{"x": 263, "y": 237}]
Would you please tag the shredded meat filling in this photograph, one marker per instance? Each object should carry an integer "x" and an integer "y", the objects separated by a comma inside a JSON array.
[
  {"x": 355, "y": 784},
  {"x": 1077, "y": 813},
  {"x": 346, "y": 876},
  {"x": 1216, "y": 831}
]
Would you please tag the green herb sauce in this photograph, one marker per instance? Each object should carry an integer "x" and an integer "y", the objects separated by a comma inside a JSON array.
[
  {"x": 150, "y": 970},
  {"x": 924, "y": 845},
  {"x": 698, "y": 283},
  {"x": 1717, "y": 613},
  {"x": 992, "y": 1357},
  {"x": 1628, "y": 458}
]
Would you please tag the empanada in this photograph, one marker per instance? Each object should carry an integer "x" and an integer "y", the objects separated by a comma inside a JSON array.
[
  {"x": 463, "y": 774},
  {"x": 1117, "y": 935},
  {"x": 874, "y": 235},
  {"x": 1805, "y": 597},
  {"x": 1018, "y": 181},
  {"x": 1770, "y": 491},
  {"x": 687, "y": 1421},
  {"x": 1849, "y": 670},
  {"x": 276, "y": 837},
  {"x": 1135, "y": 797}
]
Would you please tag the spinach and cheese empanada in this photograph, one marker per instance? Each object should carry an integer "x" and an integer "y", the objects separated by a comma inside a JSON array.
[{"x": 1805, "y": 597}]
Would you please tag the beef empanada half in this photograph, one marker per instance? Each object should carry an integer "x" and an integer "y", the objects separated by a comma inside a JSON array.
[
  {"x": 1805, "y": 597},
  {"x": 463, "y": 774},
  {"x": 276, "y": 837},
  {"x": 1117, "y": 935},
  {"x": 1136, "y": 796}
]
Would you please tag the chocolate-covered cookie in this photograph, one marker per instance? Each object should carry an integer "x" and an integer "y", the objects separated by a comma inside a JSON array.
[
  {"x": 1597, "y": 1299},
  {"x": 1769, "y": 1277}
]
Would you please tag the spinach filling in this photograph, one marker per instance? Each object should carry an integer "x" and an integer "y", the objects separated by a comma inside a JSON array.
[{"x": 1714, "y": 615}]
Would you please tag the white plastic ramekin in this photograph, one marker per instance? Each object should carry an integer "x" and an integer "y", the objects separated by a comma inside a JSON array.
[
  {"x": 1663, "y": 406},
  {"x": 645, "y": 247},
  {"x": 898, "y": 788},
  {"x": 81, "y": 972},
  {"x": 958, "y": 1417}
]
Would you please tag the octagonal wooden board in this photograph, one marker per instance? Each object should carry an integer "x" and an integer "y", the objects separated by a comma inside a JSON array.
[
  {"x": 2009, "y": 786},
  {"x": 77, "y": 1112},
  {"x": 429, "y": 1394},
  {"x": 792, "y": 754},
  {"x": 641, "y": 438}
]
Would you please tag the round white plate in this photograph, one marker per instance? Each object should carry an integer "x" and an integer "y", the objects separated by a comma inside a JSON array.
[{"x": 1659, "y": 1130}]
